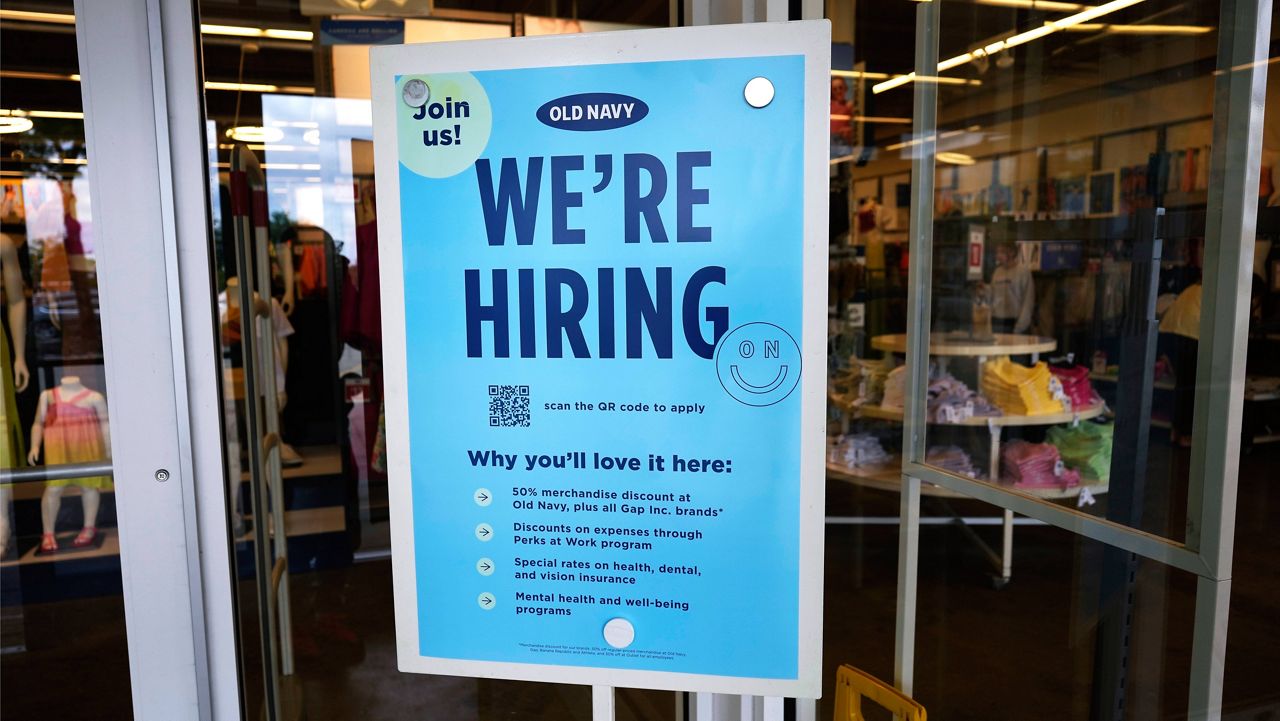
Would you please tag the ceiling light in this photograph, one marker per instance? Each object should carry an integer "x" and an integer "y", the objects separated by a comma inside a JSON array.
[
  {"x": 955, "y": 158},
  {"x": 15, "y": 125},
  {"x": 206, "y": 29},
  {"x": 255, "y": 134},
  {"x": 860, "y": 74},
  {"x": 912, "y": 77},
  {"x": 1084, "y": 16},
  {"x": 57, "y": 114},
  {"x": 881, "y": 119},
  {"x": 35, "y": 17},
  {"x": 1143, "y": 29},
  {"x": 251, "y": 32},
  {"x": 35, "y": 75},
  {"x": 250, "y": 87},
  {"x": 259, "y": 87},
  {"x": 291, "y": 166},
  {"x": 940, "y": 136},
  {"x": 1049, "y": 5}
]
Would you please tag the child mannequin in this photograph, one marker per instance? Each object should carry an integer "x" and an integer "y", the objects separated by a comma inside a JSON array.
[{"x": 71, "y": 424}]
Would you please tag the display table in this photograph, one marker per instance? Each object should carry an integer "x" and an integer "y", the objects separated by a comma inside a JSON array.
[
  {"x": 953, "y": 344},
  {"x": 946, "y": 345}
]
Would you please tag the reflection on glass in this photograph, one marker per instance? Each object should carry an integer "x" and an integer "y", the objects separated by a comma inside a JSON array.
[
  {"x": 301, "y": 107},
  {"x": 1061, "y": 215}
]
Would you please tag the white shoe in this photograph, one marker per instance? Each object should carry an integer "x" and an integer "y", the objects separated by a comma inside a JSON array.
[{"x": 289, "y": 458}]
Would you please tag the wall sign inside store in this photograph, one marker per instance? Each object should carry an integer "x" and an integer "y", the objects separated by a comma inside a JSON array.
[
  {"x": 977, "y": 251},
  {"x": 361, "y": 32},
  {"x": 604, "y": 295}
]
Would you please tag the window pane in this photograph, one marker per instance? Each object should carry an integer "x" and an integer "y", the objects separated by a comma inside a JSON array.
[{"x": 60, "y": 590}]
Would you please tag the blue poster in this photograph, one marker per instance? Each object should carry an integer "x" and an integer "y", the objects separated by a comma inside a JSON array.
[{"x": 603, "y": 278}]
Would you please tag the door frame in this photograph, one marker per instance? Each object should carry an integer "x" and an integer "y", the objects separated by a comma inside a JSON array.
[{"x": 142, "y": 89}]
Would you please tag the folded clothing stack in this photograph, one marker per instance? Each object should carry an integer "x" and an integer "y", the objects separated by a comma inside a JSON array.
[
  {"x": 859, "y": 450},
  {"x": 1075, "y": 385},
  {"x": 895, "y": 388},
  {"x": 861, "y": 384},
  {"x": 1035, "y": 465},
  {"x": 951, "y": 401},
  {"x": 1085, "y": 447},
  {"x": 951, "y": 458},
  {"x": 1019, "y": 390}
]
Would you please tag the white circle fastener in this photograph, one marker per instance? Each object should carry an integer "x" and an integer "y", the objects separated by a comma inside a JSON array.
[
  {"x": 619, "y": 632},
  {"x": 759, "y": 92}
]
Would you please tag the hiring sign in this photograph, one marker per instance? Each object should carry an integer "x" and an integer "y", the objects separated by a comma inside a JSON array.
[{"x": 603, "y": 265}]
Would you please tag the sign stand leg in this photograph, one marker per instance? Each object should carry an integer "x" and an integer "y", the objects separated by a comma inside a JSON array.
[{"x": 601, "y": 703}]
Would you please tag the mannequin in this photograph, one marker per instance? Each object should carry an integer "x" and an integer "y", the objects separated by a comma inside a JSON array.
[
  {"x": 15, "y": 300},
  {"x": 229, "y": 304},
  {"x": 71, "y": 424}
]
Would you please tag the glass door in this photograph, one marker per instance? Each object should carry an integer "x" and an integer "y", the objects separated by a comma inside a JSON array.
[
  {"x": 1085, "y": 186},
  {"x": 101, "y": 605},
  {"x": 299, "y": 337},
  {"x": 60, "y": 572}
]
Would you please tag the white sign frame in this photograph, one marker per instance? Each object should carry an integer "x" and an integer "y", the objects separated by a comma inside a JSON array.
[{"x": 808, "y": 38}]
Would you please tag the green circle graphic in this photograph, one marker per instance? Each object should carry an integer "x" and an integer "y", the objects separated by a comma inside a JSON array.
[{"x": 453, "y": 130}]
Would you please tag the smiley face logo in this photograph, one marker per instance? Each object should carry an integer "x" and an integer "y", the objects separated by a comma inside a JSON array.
[{"x": 758, "y": 364}]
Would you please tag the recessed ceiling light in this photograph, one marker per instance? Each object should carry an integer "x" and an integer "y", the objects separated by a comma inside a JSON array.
[
  {"x": 15, "y": 125},
  {"x": 255, "y": 134}
]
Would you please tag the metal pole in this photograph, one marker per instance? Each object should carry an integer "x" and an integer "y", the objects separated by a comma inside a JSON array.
[
  {"x": 1231, "y": 217},
  {"x": 924, "y": 112}
]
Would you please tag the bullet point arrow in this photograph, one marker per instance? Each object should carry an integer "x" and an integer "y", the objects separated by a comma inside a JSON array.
[
  {"x": 485, "y": 567},
  {"x": 484, "y": 496},
  {"x": 486, "y": 601},
  {"x": 484, "y": 531}
]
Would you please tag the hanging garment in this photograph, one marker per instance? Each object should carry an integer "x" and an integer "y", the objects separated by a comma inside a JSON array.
[
  {"x": 12, "y": 449},
  {"x": 73, "y": 434},
  {"x": 1183, "y": 317},
  {"x": 361, "y": 319}
]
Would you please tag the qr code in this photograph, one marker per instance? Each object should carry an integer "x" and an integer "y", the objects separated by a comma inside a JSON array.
[{"x": 509, "y": 406}]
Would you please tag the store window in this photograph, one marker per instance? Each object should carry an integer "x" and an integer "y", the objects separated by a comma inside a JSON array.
[
  {"x": 1068, "y": 213},
  {"x": 1055, "y": 151},
  {"x": 60, "y": 583}
]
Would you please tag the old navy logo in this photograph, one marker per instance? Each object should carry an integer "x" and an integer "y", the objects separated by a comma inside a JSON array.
[{"x": 592, "y": 111}]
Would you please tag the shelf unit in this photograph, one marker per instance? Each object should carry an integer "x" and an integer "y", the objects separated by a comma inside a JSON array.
[{"x": 944, "y": 346}]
